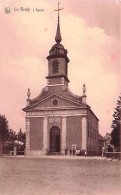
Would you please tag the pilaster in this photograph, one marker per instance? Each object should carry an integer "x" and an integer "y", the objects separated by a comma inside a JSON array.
[
  {"x": 45, "y": 135},
  {"x": 84, "y": 133},
  {"x": 27, "y": 151},
  {"x": 63, "y": 135}
]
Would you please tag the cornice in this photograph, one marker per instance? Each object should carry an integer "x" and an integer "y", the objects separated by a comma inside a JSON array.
[{"x": 58, "y": 56}]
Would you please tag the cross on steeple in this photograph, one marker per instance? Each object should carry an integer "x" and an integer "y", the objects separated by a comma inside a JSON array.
[
  {"x": 58, "y": 34},
  {"x": 58, "y": 11}
]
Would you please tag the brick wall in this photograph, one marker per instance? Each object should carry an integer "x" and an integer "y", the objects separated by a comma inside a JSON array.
[
  {"x": 74, "y": 132},
  {"x": 92, "y": 143},
  {"x": 36, "y": 133}
]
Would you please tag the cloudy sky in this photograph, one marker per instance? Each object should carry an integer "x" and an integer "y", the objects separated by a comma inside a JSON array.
[{"x": 90, "y": 33}]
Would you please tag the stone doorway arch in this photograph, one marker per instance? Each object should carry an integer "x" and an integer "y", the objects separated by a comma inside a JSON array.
[{"x": 54, "y": 139}]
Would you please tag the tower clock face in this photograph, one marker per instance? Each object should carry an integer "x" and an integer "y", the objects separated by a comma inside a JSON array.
[{"x": 55, "y": 50}]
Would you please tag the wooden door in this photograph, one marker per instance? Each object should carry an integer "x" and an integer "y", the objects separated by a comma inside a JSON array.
[{"x": 55, "y": 139}]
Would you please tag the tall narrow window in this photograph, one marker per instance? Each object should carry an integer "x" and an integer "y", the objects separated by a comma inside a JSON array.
[{"x": 55, "y": 66}]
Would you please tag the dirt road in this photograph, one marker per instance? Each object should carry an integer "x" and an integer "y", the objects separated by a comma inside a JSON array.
[{"x": 41, "y": 176}]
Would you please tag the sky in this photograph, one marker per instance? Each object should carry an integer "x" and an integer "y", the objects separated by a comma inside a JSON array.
[{"x": 90, "y": 33}]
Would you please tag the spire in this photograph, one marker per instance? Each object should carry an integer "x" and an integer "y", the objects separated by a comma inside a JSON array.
[{"x": 58, "y": 38}]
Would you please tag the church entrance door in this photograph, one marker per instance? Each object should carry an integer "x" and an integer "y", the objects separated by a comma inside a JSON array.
[{"x": 55, "y": 139}]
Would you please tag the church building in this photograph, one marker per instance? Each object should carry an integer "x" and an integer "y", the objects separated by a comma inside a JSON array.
[{"x": 57, "y": 119}]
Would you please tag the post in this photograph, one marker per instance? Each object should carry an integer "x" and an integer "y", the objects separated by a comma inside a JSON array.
[{"x": 15, "y": 151}]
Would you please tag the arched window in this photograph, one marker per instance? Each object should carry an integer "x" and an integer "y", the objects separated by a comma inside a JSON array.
[{"x": 55, "y": 66}]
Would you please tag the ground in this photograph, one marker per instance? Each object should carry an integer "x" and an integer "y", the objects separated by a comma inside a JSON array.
[{"x": 59, "y": 176}]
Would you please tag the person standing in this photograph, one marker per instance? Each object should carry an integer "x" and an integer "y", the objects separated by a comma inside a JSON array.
[
  {"x": 70, "y": 152},
  {"x": 103, "y": 151},
  {"x": 85, "y": 152},
  {"x": 66, "y": 150},
  {"x": 74, "y": 151}
]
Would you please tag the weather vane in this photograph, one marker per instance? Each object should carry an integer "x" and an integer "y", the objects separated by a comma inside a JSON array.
[{"x": 58, "y": 11}]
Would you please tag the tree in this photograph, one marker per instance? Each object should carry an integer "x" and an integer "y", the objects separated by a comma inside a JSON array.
[
  {"x": 20, "y": 141},
  {"x": 12, "y": 136},
  {"x": 21, "y": 136},
  {"x": 115, "y": 134},
  {"x": 4, "y": 131}
]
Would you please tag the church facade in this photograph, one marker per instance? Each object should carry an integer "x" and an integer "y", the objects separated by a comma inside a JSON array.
[{"x": 57, "y": 119}]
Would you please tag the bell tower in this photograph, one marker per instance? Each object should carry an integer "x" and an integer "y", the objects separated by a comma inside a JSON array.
[{"x": 58, "y": 60}]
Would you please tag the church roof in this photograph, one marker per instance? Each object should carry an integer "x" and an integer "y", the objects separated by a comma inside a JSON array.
[
  {"x": 46, "y": 103},
  {"x": 101, "y": 138},
  {"x": 66, "y": 95}
]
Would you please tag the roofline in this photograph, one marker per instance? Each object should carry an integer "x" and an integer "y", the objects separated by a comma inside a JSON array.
[
  {"x": 55, "y": 76},
  {"x": 79, "y": 103},
  {"x": 103, "y": 139},
  {"x": 59, "y": 56},
  {"x": 89, "y": 108},
  {"x": 53, "y": 109}
]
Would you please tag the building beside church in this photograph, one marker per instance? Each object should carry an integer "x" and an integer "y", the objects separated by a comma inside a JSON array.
[
  {"x": 101, "y": 144},
  {"x": 57, "y": 119}
]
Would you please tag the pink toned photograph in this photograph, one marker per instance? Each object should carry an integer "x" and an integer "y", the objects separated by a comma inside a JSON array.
[{"x": 60, "y": 97}]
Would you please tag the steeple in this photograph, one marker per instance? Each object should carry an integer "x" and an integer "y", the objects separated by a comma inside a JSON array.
[
  {"x": 57, "y": 60},
  {"x": 58, "y": 38}
]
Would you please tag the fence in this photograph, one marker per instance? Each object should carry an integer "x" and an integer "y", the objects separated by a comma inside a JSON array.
[{"x": 113, "y": 155}]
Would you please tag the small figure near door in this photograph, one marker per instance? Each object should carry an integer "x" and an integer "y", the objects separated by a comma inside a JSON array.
[
  {"x": 74, "y": 152},
  {"x": 66, "y": 150},
  {"x": 70, "y": 152},
  {"x": 103, "y": 151}
]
